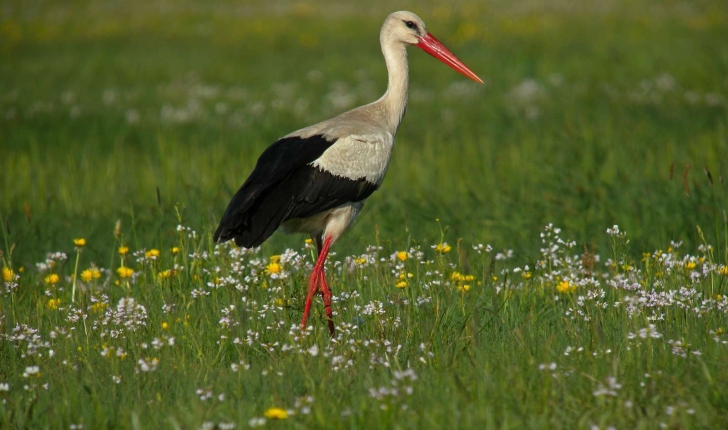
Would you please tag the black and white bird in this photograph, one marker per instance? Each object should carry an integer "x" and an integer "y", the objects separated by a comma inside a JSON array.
[{"x": 315, "y": 180}]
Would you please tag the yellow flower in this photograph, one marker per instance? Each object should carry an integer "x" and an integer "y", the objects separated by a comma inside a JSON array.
[
  {"x": 401, "y": 284},
  {"x": 152, "y": 254},
  {"x": 443, "y": 248},
  {"x": 86, "y": 276},
  {"x": 273, "y": 268},
  {"x": 463, "y": 288},
  {"x": 52, "y": 279},
  {"x": 125, "y": 272},
  {"x": 565, "y": 287},
  {"x": 90, "y": 274},
  {"x": 175, "y": 250},
  {"x": 165, "y": 274},
  {"x": 723, "y": 271},
  {"x": 309, "y": 241},
  {"x": 53, "y": 304},
  {"x": 459, "y": 277},
  {"x": 8, "y": 274},
  {"x": 360, "y": 261},
  {"x": 275, "y": 258},
  {"x": 165, "y": 325},
  {"x": 402, "y": 255},
  {"x": 98, "y": 307},
  {"x": 690, "y": 265},
  {"x": 526, "y": 275},
  {"x": 123, "y": 250},
  {"x": 80, "y": 242},
  {"x": 276, "y": 414}
]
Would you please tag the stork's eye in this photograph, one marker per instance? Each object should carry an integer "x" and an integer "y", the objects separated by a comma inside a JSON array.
[{"x": 410, "y": 25}]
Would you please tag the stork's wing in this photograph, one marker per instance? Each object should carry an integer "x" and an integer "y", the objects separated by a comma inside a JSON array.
[{"x": 285, "y": 185}]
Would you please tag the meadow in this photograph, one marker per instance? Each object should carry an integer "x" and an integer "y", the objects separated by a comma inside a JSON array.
[{"x": 548, "y": 250}]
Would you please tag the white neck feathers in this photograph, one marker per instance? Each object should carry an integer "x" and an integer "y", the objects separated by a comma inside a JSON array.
[{"x": 394, "y": 101}]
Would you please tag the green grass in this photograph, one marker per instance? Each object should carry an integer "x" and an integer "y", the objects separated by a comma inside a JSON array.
[{"x": 152, "y": 115}]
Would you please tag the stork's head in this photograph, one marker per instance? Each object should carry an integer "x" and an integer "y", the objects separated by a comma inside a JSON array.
[{"x": 406, "y": 27}]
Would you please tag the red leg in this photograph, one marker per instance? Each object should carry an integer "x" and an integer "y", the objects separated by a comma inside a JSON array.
[
  {"x": 316, "y": 282},
  {"x": 312, "y": 288},
  {"x": 313, "y": 282},
  {"x": 326, "y": 294}
]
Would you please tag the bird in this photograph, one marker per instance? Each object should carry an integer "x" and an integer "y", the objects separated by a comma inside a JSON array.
[{"x": 316, "y": 179}]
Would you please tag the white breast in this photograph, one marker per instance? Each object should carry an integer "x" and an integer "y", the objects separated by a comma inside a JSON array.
[{"x": 358, "y": 156}]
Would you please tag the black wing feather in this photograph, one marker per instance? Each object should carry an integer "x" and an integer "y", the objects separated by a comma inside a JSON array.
[{"x": 284, "y": 186}]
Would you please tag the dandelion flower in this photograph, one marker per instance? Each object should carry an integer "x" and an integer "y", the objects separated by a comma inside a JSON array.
[
  {"x": 273, "y": 268},
  {"x": 442, "y": 248},
  {"x": 53, "y": 304},
  {"x": 8, "y": 274},
  {"x": 89, "y": 275},
  {"x": 52, "y": 279},
  {"x": 565, "y": 287},
  {"x": 690, "y": 265},
  {"x": 86, "y": 276},
  {"x": 80, "y": 242},
  {"x": 402, "y": 255},
  {"x": 152, "y": 254},
  {"x": 276, "y": 414},
  {"x": 464, "y": 288},
  {"x": 721, "y": 271},
  {"x": 125, "y": 272},
  {"x": 526, "y": 275},
  {"x": 275, "y": 258},
  {"x": 165, "y": 325},
  {"x": 459, "y": 277},
  {"x": 165, "y": 274},
  {"x": 175, "y": 250},
  {"x": 401, "y": 284},
  {"x": 123, "y": 250},
  {"x": 99, "y": 307}
]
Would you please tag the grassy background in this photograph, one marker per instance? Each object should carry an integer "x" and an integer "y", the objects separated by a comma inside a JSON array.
[
  {"x": 593, "y": 114},
  {"x": 586, "y": 111}
]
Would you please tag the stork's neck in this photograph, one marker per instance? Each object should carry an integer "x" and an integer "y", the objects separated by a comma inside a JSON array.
[{"x": 394, "y": 101}]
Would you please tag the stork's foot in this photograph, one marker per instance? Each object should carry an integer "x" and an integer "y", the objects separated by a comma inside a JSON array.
[{"x": 316, "y": 283}]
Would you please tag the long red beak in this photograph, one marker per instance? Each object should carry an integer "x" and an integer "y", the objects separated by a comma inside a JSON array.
[{"x": 432, "y": 46}]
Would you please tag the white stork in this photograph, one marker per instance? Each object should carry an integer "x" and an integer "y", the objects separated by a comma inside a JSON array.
[{"x": 315, "y": 180}]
